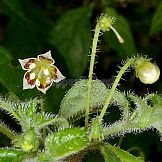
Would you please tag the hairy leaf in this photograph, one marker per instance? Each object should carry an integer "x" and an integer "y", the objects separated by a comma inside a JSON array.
[
  {"x": 148, "y": 114},
  {"x": 41, "y": 120},
  {"x": 74, "y": 103},
  {"x": 7, "y": 131},
  {"x": 9, "y": 154},
  {"x": 115, "y": 154},
  {"x": 65, "y": 142}
]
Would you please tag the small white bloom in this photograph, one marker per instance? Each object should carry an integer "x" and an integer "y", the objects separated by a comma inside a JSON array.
[{"x": 40, "y": 72}]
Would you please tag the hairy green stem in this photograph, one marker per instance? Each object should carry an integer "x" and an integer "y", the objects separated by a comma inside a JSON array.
[
  {"x": 118, "y": 128},
  {"x": 89, "y": 83},
  {"x": 6, "y": 131},
  {"x": 42, "y": 110},
  {"x": 121, "y": 72}
]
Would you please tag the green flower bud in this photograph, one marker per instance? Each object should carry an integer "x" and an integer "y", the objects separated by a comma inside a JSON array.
[
  {"x": 96, "y": 131},
  {"x": 147, "y": 72},
  {"x": 105, "y": 22},
  {"x": 29, "y": 141}
]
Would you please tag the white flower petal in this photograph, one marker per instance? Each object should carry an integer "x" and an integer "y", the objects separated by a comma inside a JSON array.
[
  {"x": 43, "y": 90},
  {"x": 26, "y": 85},
  {"x": 32, "y": 66},
  {"x": 48, "y": 56},
  {"x": 24, "y": 62},
  {"x": 59, "y": 76}
]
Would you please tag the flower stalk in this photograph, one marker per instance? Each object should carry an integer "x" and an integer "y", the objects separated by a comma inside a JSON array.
[
  {"x": 121, "y": 72},
  {"x": 92, "y": 61},
  {"x": 104, "y": 24}
]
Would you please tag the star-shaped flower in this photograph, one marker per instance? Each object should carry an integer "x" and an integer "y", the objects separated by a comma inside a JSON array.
[{"x": 41, "y": 72}]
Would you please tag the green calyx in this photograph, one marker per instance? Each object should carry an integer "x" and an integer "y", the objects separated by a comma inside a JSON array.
[
  {"x": 96, "y": 131},
  {"x": 105, "y": 22},
  {"x": 29, "y": 141}
]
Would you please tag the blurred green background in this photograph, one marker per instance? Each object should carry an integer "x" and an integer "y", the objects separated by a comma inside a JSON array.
[{"x": 32, "y": 27}]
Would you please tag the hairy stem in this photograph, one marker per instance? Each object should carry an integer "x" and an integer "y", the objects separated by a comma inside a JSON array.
[
  {"x": 121, "y": 72},
  {"x": 6, "y": 131},
  {"x": 92, "y": 61},
  {"x": 119, "y": 128},
  {"x": 42, "y": 110}
]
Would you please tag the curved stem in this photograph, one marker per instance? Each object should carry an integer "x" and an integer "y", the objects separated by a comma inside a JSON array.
[
  {"x": 121, "y": 72},
  {"x": 89, "y": 83}
]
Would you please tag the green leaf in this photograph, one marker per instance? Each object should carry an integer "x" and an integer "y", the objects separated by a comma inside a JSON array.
[
  {"x": 65, "y": 142},
  {"x": 115, "y": 154},
  {"x": 41, "y": 120},
  {"x": 158, "y": 127},
  {"x": 9, "y": 75},
  {"x": 9, "y": 154},
  {"x": 122, "y": 26},
  {"x": 148, "y": 114},
  {"x": 156, "y": 25},
  {"x": 26, "y": 31},
  {"x": 13, "y": 7},
  {"x": 71, "y": 37},
  {"x": 74, "y": 103},
  {"x": 7, "y": 131}
]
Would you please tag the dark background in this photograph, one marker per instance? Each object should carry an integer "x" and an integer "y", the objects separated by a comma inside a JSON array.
[{"x": 32, "y": 27}]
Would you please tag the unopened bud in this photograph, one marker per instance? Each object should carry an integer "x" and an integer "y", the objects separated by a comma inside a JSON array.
[{"x": 147, "y": 72}]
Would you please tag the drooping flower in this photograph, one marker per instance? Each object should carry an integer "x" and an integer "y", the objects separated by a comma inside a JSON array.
[
  {"x": 41, "y": 72},
  {"x": 106, "y": 23}
]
